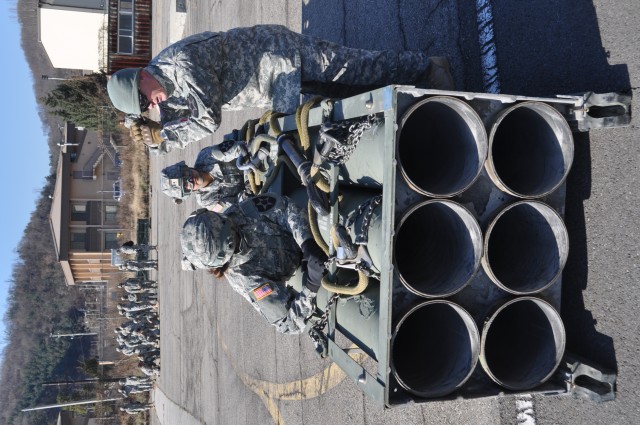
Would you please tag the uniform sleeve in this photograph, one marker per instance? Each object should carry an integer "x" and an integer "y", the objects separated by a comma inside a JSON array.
[
  {"x": 287, "y": 311},
  {"x": 295, "y": 219},
  {"x": 199, "y": 90}
]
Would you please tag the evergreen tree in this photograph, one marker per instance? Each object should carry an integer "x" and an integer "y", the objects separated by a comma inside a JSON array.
[{"x": 81, "y": 100}]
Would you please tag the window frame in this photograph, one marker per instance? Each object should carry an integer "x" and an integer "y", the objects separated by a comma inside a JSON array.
[{"x": 121, "y": 33}]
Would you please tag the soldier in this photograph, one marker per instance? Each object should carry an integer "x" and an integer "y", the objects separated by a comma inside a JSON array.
[
  {"x": 137, "y": 285},
  {"x": 138, "y": 266},
  {"x": 126, "y": 390},
  {"x": 263, "y": 66},
  {"x": 136, "y": 380},
  {"x": 140, "y": 298},
  {"x": 135, "y": 408},
  {"x": 258, "y": 245},
  {"x": 130, "y": 248},
  {"x": 134, "y": 307},
  {"x": 214, "y": 178}
]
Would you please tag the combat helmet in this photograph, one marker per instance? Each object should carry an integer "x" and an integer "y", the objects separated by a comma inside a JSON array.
[{"x": 208, "y": 240}]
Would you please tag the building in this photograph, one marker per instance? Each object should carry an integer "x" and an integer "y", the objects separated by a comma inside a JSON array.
[
  {"x": 85, "y": 206},
  {"x": 96, "y": 35}
]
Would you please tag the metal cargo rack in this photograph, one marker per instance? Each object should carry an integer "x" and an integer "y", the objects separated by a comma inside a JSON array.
[{"x": 374, "y": 169}]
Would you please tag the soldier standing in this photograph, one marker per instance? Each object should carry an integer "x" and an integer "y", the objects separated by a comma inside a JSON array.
[
  {"x": 130, "y": 248},
  {"x": 139, "y": 265}
]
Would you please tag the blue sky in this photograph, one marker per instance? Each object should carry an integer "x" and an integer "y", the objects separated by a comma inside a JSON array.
[{"x": 24, "y": 162}]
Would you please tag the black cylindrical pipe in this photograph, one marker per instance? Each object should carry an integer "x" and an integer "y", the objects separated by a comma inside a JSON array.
[
  {"x": 530, "y": 150},
  {"x": 522, "y": 343},
  {"x": 526, "y": 248},
  {"x": 437, "y": 248},
  {"x": 442, "y": 146},
  {"x": 434, "y": 348}
]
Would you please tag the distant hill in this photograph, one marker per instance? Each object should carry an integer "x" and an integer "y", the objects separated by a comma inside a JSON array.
[
  {"x": 39, "y": 301},
  {"x": 39, "y": 63}
]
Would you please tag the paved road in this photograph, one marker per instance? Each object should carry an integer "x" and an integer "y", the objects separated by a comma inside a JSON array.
[{"x": 222, "y": 365}]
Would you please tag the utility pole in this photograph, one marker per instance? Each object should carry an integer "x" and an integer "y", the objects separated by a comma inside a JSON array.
[
  {"x": 73, "y": 403},
  {"x": 83, "y": 381},
  {"x": 46, "y": 77},
  {"x": 52, "y": 335}
]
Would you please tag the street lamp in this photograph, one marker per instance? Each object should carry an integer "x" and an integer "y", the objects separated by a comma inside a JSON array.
[
  {"x": 46, "y": 77},
  {"x": 67, "y": 144}
]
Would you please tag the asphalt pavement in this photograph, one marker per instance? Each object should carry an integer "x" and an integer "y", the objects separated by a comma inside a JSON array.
[{"x": 222, "y": 365}]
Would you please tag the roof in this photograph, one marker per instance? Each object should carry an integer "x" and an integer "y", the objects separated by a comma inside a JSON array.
[{"x": 59, "y": 215}]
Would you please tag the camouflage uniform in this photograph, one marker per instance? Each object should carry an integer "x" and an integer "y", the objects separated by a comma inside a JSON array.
[
  {"x": 228, "y": 186},
  {"x": 264, "y": 67},
  {"x": 137, "y": 266},
  {"x": 271, "y": 230},
  {"x": 129, "y": 248}
]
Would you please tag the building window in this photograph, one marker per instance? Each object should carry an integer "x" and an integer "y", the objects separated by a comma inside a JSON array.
[
  {"x": 111, "y": 240},
  {"x": 110, "y": 213},
  {"x": 125, "y": 26},
  {"x": 78, "y": 241},
  {"x": 79, "y": 212}
]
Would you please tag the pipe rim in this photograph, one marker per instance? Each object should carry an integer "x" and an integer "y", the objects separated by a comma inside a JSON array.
[
  {"x": 564, "y": 255},
  {"x": 548, "y": 310},
  {"x": 470, "y": 220},
  {"x": 474, "y": 342},
  {"x": 475, "y": 125},
  {"x": 565, "y": 130}
]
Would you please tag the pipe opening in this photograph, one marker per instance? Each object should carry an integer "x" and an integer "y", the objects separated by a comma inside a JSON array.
[
  {"x": 432, "y": 361},
  {"x": 522, "y": 344},
  {"x": 530, "y": 150},
  {"x": 526, "y": 248},
  {"x": 442, "y": 145},
  {"x": 438, "y": 248}
]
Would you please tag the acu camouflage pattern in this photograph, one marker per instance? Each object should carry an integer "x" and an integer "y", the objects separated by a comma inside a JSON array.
[
  {"x": 263, "y": 67},
  {"x": 208, "y": 239},
  {"x": 229, "y": 185},
  {"x": 271, "y": 230}
]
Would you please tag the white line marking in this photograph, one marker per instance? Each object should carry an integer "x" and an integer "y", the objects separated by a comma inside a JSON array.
[
  {"x": 488, "y": 58},
  {"x": 524, "y": 406}
]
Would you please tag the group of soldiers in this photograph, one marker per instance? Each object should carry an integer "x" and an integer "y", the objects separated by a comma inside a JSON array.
[
  {"x": 139, "y": 336},
  {"x": 254, "y": 239}
]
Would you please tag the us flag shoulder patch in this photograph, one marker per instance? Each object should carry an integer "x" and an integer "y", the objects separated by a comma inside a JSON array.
[{"x": 262, "y": 291}]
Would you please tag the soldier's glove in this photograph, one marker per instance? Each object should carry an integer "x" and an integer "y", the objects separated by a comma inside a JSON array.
[
  {"x": 315, "y": 258},
  {"x": 151, "y": 133},
  {"x": 147, "y": 132}
]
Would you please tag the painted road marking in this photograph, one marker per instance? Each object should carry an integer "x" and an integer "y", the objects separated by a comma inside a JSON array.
[
  {"x": 271, "y": 392},
  {"x": 488, "y": 58},
  {"x": 524, "y": 407}
]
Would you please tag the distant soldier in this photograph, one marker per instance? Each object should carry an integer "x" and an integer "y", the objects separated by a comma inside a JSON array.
[
  {"x": 129, "y": 248},
  {"x": 214, "y": 178},
  {"x": 136, "y": 380},
  {"x": 128, "y": 389},
  {"x": 134, "y": 307},
  {"x": 141, "y": 297},
  {"x": 135, "y": 408},
  {"x": 151, "y": 371},
  {"x": 138, "y": 266},
  {"x": 138, "y": 285},
  {"x": 258, "y": 245}
]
